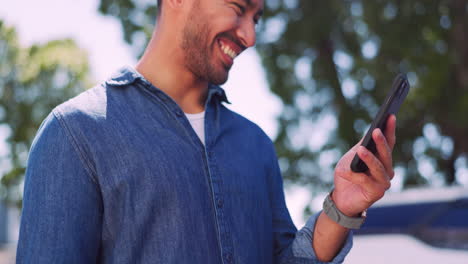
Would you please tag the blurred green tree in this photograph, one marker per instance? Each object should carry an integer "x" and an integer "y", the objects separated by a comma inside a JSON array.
[
  {"x": 332, "y": 63},
  {"x": 33, "y": 80}
]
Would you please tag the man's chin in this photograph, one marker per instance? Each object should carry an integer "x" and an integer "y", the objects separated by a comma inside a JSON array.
[{"x": 219, "y": 79}]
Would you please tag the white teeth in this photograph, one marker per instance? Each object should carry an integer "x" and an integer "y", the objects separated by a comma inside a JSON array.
[{"x": 228, "y": 51}]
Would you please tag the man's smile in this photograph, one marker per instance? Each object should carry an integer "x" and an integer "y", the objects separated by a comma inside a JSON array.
[{"x": 229, "y": 49}]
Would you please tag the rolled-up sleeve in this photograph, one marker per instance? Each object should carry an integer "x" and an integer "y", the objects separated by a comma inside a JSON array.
[
  {"x": 301, "y": 250},
  {"x": 62, "y": 206},
  {"x": 292, "y": 246}
]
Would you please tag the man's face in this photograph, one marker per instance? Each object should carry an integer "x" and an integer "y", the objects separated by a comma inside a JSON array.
[{"x": 216, "y": 32}]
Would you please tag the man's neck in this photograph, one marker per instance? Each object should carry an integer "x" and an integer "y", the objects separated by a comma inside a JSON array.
[{"x": 162, "y": 65}]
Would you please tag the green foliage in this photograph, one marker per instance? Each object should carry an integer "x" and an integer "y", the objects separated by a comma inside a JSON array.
[
  {"x": 332, "y": 63},
  {"x": 137, "y": 19},
  {"x": 378, "y": 39},
  {"x": 33, "y": 80}
]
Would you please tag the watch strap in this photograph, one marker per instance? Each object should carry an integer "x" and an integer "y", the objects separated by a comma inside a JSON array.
[{"x": 330, "y": 209}]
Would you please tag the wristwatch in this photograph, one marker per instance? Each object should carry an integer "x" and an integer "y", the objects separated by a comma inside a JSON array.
[{"x": 329, "y": 208}]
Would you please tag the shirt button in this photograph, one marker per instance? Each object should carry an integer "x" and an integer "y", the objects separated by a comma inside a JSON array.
[
  {"x": 179, "y": 113},
  {"x": 228, "y": 257},
  {"x": 220, "y": 203}
]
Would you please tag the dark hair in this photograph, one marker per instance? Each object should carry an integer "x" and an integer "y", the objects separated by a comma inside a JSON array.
[{"x": 159, "y": 4}]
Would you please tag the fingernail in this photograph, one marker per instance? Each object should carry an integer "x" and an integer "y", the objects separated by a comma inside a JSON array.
[
  {"x": 381, "y": 135},
  {"x": 378, "y": 132},
  {"x": 363, "y": 151}
]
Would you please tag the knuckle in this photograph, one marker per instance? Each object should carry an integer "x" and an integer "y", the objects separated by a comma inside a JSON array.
[
  {"x": 380, "y": 194},
  {"x": 381, "y": 167},
  {"x": 388, "y": 185}
]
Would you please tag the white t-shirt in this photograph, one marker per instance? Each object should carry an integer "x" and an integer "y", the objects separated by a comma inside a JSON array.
[{"x": 198, "y": 123}]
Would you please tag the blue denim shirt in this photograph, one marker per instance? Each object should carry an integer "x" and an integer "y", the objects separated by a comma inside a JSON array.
[{"x": 118, "y": 175}]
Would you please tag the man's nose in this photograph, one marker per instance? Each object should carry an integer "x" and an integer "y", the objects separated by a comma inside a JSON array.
[{"x": 246, "y": 33}]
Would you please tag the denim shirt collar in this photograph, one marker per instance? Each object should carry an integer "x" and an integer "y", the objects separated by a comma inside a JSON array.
[{"x": 127, "y": 75}]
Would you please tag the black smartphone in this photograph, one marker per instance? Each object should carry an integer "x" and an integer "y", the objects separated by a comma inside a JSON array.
[{"x": 392, "y": 103}]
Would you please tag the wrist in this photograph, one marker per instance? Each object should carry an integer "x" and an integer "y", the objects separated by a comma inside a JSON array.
[
  {"x": 351, "y": 222},
  {"x": 340, "y": 206}
]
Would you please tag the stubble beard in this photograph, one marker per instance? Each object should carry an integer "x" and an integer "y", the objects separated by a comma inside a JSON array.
[{"x": 197, "y": 53}]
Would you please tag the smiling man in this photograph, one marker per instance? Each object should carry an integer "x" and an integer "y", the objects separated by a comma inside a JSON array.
[{"x": 151, "y": 167}]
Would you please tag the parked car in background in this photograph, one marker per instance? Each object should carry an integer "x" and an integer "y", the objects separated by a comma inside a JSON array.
[{"x": 415, "y": 226}]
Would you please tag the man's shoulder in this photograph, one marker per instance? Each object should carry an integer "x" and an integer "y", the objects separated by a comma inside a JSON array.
[
  {"x": 90, "y": 104},
  {"x": 93, "y": 104}
]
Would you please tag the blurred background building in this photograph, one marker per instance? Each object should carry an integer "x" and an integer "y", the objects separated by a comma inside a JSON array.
[{"x": 315, "y": 80}]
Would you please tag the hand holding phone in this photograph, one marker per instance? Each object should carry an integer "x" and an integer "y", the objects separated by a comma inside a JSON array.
[{"x": 392, "y": 104}]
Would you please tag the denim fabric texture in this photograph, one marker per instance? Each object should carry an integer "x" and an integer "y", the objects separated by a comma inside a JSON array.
[{"x": 118, "y": 175}]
